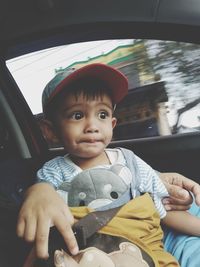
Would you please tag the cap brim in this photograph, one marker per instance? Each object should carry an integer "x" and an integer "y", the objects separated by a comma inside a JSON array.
[{"x": 116, "y": 81}]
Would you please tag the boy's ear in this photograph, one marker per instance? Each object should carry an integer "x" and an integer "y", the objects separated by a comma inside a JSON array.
[
  {"x": 48, "y": 131},
  {"x": 114, "y": 122}
]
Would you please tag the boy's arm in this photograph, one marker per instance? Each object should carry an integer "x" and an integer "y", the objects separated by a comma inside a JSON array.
[
  {"x": 183, "y": 222},
  {"x": 41, "y": 209}
]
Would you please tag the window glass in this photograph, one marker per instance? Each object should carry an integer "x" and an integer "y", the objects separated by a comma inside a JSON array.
[{"x": 164, "y": 82}]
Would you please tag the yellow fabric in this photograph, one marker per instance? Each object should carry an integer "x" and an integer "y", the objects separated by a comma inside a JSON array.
[{"x": 139, "y": 222}]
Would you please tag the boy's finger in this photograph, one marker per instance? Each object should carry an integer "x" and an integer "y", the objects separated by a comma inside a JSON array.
[
  {"x": 20, "y": 227},
  {"x": 174, "y": 204},
  {"x": 66, "y": 231},
  {"x": 41, "y": 239},
  {"x": 30, "y": 229},
  {"x": 176, "y": 207},
  {"x": 175, "y": 201}
]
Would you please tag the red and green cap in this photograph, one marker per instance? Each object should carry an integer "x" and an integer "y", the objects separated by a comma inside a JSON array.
[{"x": 116, "y": 81}]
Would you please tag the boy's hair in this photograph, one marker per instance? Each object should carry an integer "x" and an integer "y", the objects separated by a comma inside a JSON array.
[{"x": 91, "y": 89}]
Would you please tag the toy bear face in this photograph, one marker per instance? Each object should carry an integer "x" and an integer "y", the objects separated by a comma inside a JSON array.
[{"x": 96, "y": 187}]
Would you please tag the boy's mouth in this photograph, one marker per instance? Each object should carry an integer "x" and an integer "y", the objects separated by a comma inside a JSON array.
[{"x": 91, "y": 141}]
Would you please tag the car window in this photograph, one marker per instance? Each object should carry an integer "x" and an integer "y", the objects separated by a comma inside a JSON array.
[{"x": 164, "y": 81}]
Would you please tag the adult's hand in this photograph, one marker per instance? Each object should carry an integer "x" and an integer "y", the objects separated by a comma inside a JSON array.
[
  {"x": 179, "y": 188},
  {"x": 41, "y": 209}
]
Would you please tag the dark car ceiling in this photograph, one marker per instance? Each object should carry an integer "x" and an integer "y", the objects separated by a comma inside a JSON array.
[{"x": 28, "y": 25}]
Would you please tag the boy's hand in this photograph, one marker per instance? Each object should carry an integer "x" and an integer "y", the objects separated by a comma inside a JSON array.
[
  {"x": 179, "y": 187},
  {"x": 43, "y": 208}
]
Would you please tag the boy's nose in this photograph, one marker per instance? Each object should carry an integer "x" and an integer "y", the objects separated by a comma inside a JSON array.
[
  {"x": 91, "y": 126},
  {"x": 91, "y": 129}
]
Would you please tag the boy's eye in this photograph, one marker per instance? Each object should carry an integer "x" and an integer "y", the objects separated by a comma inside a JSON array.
[
  {"x": 77, "y": 116},
  {"x": 103, "y": 115}
]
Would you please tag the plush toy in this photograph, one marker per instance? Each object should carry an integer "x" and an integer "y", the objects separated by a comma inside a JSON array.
[
  {"x": 128, "y": 255},
  {"x": 96, "y": 187}
]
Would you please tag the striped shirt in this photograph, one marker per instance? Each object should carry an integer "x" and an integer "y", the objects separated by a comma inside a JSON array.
[{"x": 61, "y": 169}]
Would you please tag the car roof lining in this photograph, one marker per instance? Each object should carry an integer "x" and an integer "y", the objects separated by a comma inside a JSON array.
[
  {"x": 49, "y": 14},
  {"x": 37, "y": 24},
  {"x": 101, "y": 31}
]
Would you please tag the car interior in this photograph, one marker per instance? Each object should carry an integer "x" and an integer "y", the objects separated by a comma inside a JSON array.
[{"x": 32, "y": 28}]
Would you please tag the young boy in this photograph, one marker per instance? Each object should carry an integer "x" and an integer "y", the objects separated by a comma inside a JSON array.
[{"x": 79, "y": 110}]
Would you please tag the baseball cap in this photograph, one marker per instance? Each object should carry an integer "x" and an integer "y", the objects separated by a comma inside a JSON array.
[{"x": 117, "y": 81}]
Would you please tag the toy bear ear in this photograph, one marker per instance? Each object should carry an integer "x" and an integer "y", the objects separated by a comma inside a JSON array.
[
  {"x": 65, "y": 186},
  {"x": 129, "y": 254}
]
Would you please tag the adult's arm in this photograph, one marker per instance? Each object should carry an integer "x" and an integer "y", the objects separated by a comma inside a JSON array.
[{"x": 180, "y": 189}]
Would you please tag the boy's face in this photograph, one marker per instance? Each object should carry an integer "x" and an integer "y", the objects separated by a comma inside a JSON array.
[{"x": 85, "y": 126}]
